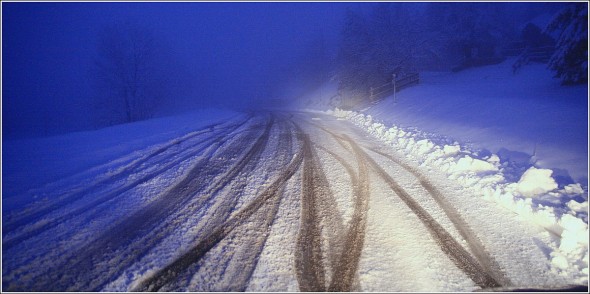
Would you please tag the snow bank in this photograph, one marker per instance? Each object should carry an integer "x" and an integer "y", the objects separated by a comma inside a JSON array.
[
  {"x": 474, "y": 165},
  {"x": 535, "y": 182},
  {"x": 487, "y": 177},
  {"x": 493, "y": 108}
]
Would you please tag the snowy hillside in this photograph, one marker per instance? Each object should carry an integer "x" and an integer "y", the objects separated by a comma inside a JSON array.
[
  {"x": 78, "y": 156},
  {"x": 518, "y": 140},
  {"x": 492, "y": 109}
]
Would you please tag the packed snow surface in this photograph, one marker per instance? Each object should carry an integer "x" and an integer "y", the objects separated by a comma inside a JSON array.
[
  {"x": 402, "y": 196},
  {"x": 288, "y": 201}
]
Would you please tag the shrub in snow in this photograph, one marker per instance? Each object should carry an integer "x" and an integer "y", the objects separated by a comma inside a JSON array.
[{"x": 535, "y": 182}]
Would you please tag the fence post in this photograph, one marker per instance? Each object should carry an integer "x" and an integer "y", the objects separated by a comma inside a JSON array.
[{"x": 394, "y": 89}]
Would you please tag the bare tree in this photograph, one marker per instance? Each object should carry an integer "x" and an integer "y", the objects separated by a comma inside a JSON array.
[{"x": 129, "y": 73}]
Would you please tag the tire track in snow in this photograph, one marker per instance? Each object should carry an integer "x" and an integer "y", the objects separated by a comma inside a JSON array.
[
  {"x": 232, "y": 270},
  {"x": 478, "y": 249},
  {"x": 262, "y": 224},
  {"x": 319, "y": 217},
  {"x": 40, "y": 209},
  {"x": 351, "y": 240},
  {"x": 169, "y": 273},
  {"x": 345, "y": 272},
  {"x": 308, "y": 256},
  {"x": 56, "y": 185},
  {"x": 31, "y": 215},
  {"x": 492, "y": 274},
  {"x": 456, "y": 253},
  {"x": 36, "y": 228},
  {"x": 236, "y": 183},
  {"x": 82, "y": 266}
]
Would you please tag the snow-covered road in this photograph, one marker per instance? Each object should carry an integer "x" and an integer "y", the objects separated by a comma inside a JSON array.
[{"x": 281, "y": 201}]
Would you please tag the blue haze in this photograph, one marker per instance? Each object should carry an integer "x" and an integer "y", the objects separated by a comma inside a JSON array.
[
  {"x": 231, "y": 53},
  {"x": 227, "y": 54}
]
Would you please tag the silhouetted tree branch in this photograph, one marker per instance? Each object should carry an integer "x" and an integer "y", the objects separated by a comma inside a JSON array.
[{"x": 129, "y": 75}]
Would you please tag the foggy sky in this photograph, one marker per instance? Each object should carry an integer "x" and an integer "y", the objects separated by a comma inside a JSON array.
[
  {"x": 233, "y": 52},
  {"x": 230, "y": 53}
]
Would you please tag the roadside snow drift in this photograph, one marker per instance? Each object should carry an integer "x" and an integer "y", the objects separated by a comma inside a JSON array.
[{"x": 535, "y": 197}]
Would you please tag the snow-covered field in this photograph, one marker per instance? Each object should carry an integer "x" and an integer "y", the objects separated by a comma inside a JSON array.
[
  {"x": 491, "y": 108},
  {"x": 28, "y": 164}
]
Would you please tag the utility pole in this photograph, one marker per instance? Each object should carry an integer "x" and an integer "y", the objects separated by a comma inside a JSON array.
[{"x": 394, "y": 89}]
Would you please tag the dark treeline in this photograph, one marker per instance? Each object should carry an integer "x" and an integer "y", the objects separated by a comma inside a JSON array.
[
  {"x": 403, "y": 38},
  {"x": 570, "y": 60}
]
